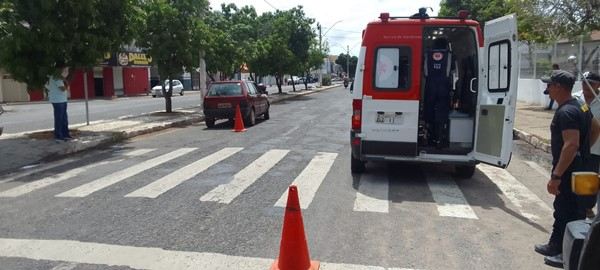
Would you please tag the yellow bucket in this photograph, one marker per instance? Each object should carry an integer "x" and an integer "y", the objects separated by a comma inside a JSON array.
[{"x": 585, "y": 183}]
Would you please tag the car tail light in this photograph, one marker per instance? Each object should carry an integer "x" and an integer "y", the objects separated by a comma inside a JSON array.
[{"x": 356, "y": 114}]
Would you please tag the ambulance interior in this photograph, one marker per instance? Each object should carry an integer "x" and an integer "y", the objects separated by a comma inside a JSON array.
[{"x": 452, "y": 129}]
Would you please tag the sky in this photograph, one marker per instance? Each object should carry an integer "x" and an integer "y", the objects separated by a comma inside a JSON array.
[{"x": 342, "y": 21}]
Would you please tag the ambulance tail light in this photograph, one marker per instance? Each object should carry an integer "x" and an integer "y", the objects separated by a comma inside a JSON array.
[{"x": 356, "y": 114}]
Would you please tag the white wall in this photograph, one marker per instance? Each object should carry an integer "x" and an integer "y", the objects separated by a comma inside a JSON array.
[
  {"x": 118, "y": 80},
  {"x": 531, "y": 91}
]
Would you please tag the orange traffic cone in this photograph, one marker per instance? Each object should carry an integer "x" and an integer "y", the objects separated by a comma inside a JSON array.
[
  {"x": 293, "y": 252},
  {"x": 239, "y": 123}
]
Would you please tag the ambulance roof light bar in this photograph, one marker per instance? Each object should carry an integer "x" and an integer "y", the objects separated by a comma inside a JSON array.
[{"x": 462, "y": 15}]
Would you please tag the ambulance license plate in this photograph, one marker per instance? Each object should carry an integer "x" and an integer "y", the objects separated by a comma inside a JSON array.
[{"x": 391, "y": 118}]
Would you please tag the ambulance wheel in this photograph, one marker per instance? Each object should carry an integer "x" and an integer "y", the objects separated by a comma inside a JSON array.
[
  {"x": 464, "y": 171},
  {"x": 356, "y": 165}
]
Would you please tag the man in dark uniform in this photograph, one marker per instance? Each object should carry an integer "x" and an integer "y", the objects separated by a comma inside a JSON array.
[
  {"x": 571, "y": 133},
  {"x": 438, "y": 83}
]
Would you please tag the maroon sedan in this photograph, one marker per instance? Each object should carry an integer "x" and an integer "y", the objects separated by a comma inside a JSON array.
[{"x": 223, "y": 97}]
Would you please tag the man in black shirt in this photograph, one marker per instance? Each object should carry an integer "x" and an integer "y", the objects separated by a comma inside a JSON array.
[{"x": 572, "y": 130}]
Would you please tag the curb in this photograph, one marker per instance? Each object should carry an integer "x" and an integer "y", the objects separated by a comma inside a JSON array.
[
  {"x": 306, "y": 92},
  {"x": 533, "y": 140}
]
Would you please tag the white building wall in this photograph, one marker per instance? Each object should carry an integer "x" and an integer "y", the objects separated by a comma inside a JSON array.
[{"x": 531, "y": 91}]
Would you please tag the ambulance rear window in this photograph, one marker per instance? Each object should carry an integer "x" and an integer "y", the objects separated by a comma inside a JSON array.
[{"x": 392, "y": 68}]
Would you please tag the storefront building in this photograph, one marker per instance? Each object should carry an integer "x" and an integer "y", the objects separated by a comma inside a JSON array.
[{"x": 120, "y": 74}]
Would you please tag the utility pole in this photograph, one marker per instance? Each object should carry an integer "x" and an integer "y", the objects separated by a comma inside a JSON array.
[
  {"x": 320, "y": 51},
  {"x": 348, "y": 61}
]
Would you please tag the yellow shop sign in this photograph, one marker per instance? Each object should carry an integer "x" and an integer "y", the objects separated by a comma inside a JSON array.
[{"x": 139, "y": 59}]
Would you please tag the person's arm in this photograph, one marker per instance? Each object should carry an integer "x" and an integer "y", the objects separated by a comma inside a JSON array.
[{"x": 567, "y": 155}]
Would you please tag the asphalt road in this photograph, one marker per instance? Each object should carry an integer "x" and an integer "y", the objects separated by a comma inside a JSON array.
[
  {"x": 22, "y": 117},
  {"x": 198, "y": 198}
]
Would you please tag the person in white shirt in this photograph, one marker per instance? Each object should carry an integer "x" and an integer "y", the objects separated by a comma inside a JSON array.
[{"x": 586, "y": 96}]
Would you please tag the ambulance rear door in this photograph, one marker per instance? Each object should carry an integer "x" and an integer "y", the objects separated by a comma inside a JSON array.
[{"x": 498, "y": 80}]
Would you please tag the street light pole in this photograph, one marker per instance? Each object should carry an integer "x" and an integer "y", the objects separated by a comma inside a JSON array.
[
  {"x": 320, "y": 51},
  {"x": 348, "y": 62}
]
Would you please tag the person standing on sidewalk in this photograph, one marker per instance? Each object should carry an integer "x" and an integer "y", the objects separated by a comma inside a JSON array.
[
  {"x": 57, "y": 95},
  {"x": 572, "y": 130},
  {"x": 587, "y": 96}
]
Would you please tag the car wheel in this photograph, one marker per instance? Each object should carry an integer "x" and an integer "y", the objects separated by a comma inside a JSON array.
[
  {"x": 464, "y": 171},
  {"x": 266, "y": 115},
  {"x": 210, "y": 122},
  {"x": 251, "y": 120},
  {"x": 356, "y": 165},
  {"x": 181, "y": 93},
  {"x": 153, "y": 96}
]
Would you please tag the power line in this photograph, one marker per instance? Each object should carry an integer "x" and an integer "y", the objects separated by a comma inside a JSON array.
[
  {"x": 347, "y": 31},
  {"x": 270, "y": 5}
]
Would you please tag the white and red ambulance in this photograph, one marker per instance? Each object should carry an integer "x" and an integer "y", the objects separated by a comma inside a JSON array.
[{"x": 395, "y": 90}]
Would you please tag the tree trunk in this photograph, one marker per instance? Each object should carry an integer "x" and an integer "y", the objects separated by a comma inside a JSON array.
[
  {"x": 278, "y": 82},
  {"x": 168, "y": 96},
  {"x": 306, "y": 80}
]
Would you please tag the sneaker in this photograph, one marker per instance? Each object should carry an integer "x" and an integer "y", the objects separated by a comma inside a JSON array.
[
  {"x": 548, "y": 249},
  {"x": 554, "y": 261}
]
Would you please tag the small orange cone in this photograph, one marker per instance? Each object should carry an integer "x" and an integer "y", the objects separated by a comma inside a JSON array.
[
  {"x": 293, "y": 252},
  {"x": 239, "y": 123}
]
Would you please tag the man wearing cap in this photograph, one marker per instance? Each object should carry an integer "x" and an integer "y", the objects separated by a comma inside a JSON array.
[
  {"x": 572, "y": 130},
  {"x": 590, "y": 85}
]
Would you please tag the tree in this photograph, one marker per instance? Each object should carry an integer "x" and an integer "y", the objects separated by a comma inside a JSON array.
[
  {"x": 39, "y": 38},
  {"x": 344, "y": 59},
  {"x": 572, "y": 18},
  {"x": 168, "y": 36},
  {"x": 314, "y": 61},
  {"x": 481, "y": 10}
]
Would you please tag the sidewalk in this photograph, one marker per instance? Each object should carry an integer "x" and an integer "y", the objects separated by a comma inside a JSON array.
[
  {"x": 532, "y": 125},
  {"x": 31, "y": 148}
]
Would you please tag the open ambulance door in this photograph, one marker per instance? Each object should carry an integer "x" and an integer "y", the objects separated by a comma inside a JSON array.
[{"x": 497, "y": 96}]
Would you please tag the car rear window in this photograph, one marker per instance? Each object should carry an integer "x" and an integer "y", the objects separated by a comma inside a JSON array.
[{"x": 225, "y": 89}]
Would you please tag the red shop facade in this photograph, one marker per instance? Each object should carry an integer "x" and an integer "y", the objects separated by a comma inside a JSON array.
[{"x": 121, "y": 74}]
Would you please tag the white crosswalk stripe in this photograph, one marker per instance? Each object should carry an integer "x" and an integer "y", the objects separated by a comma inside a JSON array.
[
  {"x": 516, "y": 192},
  {"x": 372, "y": 195},
  {"x": 116, "y": 177},
  {"x": 46, "y": 181},
  {"x": 243, "y": 179},
  {"x": 448, "y": 197},
  {"x": 17, "y": 175},
  {"x": 136, "y": 257},
  {"x": 170, "y": 181},
  {"x": 310, "y": 179}
]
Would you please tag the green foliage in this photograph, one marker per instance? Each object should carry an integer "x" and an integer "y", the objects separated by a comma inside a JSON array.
[
  {"x": 572, "y": 18},
  {"x": 287, "y": 44},
  {"x": 481, "y": 10},
  {"x": 38, "y": 37},
  {"x": 326, "y": 80},
  {"x": 168, "y": 34},
  {"x": 344, "y": 59}
]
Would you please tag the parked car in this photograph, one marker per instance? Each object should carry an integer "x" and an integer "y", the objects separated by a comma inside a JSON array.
[
  {"x": 295, "y": 80},
  {"x": 223, "y": 97},
  {"x": 177, "y": 88}
]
